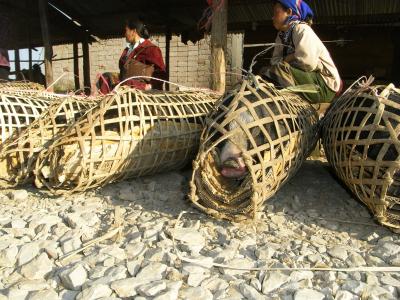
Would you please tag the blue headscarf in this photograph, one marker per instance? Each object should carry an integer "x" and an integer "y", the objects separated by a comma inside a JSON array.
[{"x": 301, "y": 10}]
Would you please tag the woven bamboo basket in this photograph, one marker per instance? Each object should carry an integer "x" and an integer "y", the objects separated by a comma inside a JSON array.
[
  {"x": 287, "y": 133},
  {"x": 129, "y": 134},
  {"x": 18, "y": 154},
  {"x": 19, "y": 108},
  {"x": 21, "y": 85},
  {"x": 361, "y": 141}
]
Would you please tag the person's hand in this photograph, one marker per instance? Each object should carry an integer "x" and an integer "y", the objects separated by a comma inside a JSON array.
[{"x": 147, "y": 87}]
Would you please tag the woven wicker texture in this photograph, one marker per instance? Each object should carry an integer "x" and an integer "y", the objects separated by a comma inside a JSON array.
[
  {"x": 129, "y": 134},
  {"x": 21, "y": 85},
  {"x": 18, "y": 154},
  {"x": 287, "y": 132},
  {"x": 361, "y": 141},
  {"x": 19, "y": 108}
]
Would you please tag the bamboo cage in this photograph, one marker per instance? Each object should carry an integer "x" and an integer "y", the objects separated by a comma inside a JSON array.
[
  {"x": 130, "y": 133},
  {"x": 361, "y": 141},
  {"x": 19, "y": 107},
  {"x": 287, "y": 129},
  {"x": 21, "y": 85},
  {"x": 18, "y": 154}
]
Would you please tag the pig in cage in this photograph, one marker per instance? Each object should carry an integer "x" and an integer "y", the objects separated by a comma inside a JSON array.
[
  {"x": 130, "y": 133},
  {"x": 361, "y": 141},
  {"x": 18, "y": 154},
  {"x": 255, "y": 140}
]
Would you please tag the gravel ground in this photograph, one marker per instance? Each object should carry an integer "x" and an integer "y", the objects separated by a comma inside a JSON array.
[{"x": 312, "y": 222}]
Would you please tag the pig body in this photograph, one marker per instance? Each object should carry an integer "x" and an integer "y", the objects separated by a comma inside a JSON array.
[{"x": 232, "y": 164}]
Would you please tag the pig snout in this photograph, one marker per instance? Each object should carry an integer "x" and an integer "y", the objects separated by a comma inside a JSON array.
[{"x": 232, "y": 163}]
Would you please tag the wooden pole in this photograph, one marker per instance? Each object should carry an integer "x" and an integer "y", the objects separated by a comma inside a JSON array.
[
  {"x": 17, "y": 64},
  {"x": 86, "y": 66},
  {"x": 168, "y": 37},
  {"x": 30, "y": 62},
  {"x": 218, "y": 45},
  {"x": 48, "y": 50},
  {"x": 396, "y": 58},
  {"x": 76, "y": 66}
]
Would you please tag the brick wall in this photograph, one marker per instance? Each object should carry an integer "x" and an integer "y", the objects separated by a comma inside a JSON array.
[{"x": 189, "y": 64}]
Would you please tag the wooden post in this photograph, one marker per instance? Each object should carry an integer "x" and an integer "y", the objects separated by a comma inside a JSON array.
[
  {"x": 30, "y": 62},
  {"x": 396, "y": 58},
  {"x": 76, "y": 66},
  {"x": 218, "y": 45},
  {"x": 168, "y": 37},
  {"x": 17, "y": 64},
  {"x": 48, "y": 50},
  {"x": 86, "y": 66}
]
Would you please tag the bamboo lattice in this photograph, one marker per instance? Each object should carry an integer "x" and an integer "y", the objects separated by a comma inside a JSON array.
[
  {"x": 361, "y": 141},
  {"x": 287, "y": 132},
  {"x": 130, "y": 133}
]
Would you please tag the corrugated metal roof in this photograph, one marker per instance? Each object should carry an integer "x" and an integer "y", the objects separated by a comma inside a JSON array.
[{"x": 326, "y": 11}]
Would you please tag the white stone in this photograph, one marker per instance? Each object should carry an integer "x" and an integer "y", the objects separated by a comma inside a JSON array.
[
  {"x": 308, "y": 294},
  {"x": 127, "y": 287},
  {"x": 17, "y": 294},
  {"x": 250, "y": 292},
  {"x": 385, "y": 250},
  {"x": 355, "y": 260},
  {"x": 272, "y": 281},
  {"x": 152, "y": 289},
  {"x": 18, "y": 224},
  {"x": 115, "y": 252},
  {"x": 8, "y": 257},
  {"x": 345, "y": 295},
  {"x": 134, "y": 249},
  {"x": 278, "y": 220},
  {"x": 152, "y": 272},
  {"x": 265, "y": 253},
  {"x": 339, "y": 252},
  {"x": 354, "y": 286},
  {"x": 27, "y": 253},
  {"x": 19, "y": 195},
  {"x": 301, "y": 275},
  {"x": 194, "y": 279},
  {"x": 244, "y": 263},
  {"x": 71, "y": 245},
  {"x": 44, "y": 295},
  {"x": 172, "y": 291},
  {"x": 197, "y": 293},
  {"x": 73, "y": 278},
  {"x": 67, "y": 295},
  {"x": 375, "y": 291},
  {"x": 38, "y": 267},
  {"x": 133, "y": 266},
  {"x": 94, "y": 292},
  {"x": 32, "y": 285},
  {"x": 192, "y": 238}
]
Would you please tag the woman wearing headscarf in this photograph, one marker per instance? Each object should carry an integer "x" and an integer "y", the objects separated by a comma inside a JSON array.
[
  {"x": 299, "y": 56},
  {"x": 140, "y": 58}
]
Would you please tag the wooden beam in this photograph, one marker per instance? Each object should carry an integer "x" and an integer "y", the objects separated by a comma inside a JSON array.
[
  {"x": 30, "y": 62},
  {"x": 48, "y": 50},
  {"x": 76, "y": 66},
  {"x": 218, "y": 45},
  {"x": 86, "y": 67},
  {"x": 168, "y": 37},
  {"x": 17, "y": 63},
  {"x": 396, "y": 58}
]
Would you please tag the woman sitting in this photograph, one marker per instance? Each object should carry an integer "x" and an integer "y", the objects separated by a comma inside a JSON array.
[
  {"x": 299, "y": 56},
  {"x": 140, "y": 58}
]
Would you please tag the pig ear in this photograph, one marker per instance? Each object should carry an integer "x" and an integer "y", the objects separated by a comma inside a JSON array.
[{"x": 255, "y": 131}]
